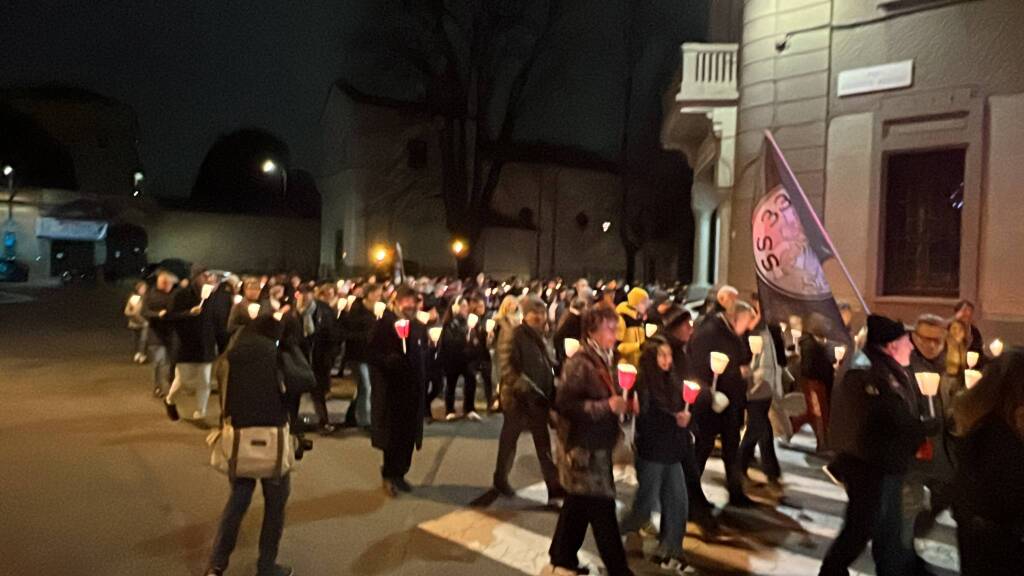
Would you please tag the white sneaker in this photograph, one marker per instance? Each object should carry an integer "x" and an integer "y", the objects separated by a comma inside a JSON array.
[
  {"x": 677, "y": 566},
  {"x": 452, "y": 417},
  {"x": 473, "y": 416},
  {"x": 197, "y": 415}
]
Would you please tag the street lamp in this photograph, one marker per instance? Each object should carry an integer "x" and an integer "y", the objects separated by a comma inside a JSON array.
[
  {"x": 9, "y": 172},
  {"x": 137, "y": 179},
  {"x": 270, "y": 167},
  {"x": 379, "y": 254},
  {"x": 459, "y": 247}
]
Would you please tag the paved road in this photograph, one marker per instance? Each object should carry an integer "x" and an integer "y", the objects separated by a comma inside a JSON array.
[{"x": 96, "y": 481}]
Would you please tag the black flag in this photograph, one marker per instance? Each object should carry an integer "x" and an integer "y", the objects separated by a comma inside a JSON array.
[{"x": 790, "y": 245}]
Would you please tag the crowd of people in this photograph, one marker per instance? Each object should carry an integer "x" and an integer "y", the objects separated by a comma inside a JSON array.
[{"x": 619, "y": 374}]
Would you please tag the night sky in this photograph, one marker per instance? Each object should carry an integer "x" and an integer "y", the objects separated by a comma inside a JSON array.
[{"x": 196, "y": 70}]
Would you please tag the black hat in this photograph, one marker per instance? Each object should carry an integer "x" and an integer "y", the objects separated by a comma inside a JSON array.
[
  {"x": 675, "y": 316},
  {"x": 882, "y": 330}
]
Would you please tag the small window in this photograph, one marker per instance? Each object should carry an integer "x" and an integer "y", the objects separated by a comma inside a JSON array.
[{"x": 924, "y": 198}]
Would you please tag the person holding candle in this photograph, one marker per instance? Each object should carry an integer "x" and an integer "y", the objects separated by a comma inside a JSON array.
[
  {"x": 630, "y": 333},
  {"x": 570, "y": 326},
  {"x": 589, "y": 405},
  {"x": 479, "y": 353},
  {"x": 964, "y": 312},
  {"x": 399, "y": 377},
  {"x": 137, "y": 322},
  {"x": 239, "y": 315},
  {"x": 724, "y": 333},
  {"x": 817, "y": 372},
  {"x": 987, "y": 503},
  {"x": 661, "y": 431},
  {"x": 357, "y": 327},
  {"x": 768, "y": 380},
  {"x": 527, "y": 394},
  {"x": 161, "y": 342},
  {"x": 197, "y": 346},
  {"x": 455, "y": 352},
  {"x": 326, "y": 345},
  {"x": 875, "y": 435},
  {"x": 506, "y": 319}
]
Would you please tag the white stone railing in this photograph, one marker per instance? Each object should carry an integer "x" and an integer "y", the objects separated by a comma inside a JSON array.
[{"x": 709, "y": 73}]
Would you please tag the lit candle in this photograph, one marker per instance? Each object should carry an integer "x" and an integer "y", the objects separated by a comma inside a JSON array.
[
  {"x": 207, "y": 291},
  {"x": 435, "y": 334},
  {"x": 378, "y": 309},
  {"x": 650, "y": 329},
  {"x": 972, "y": 359},
  {"x": 928, "y": 382},
  {"x": 489, "y": 325},
  {"x": 472, "y": 321},
  {"x": 690, "y": 392},
  {"x": 253, "y": 310},
  {"x": 238, "y": 299},
  {"x": 423, "y": 317},
  {"x": 572, "y": 346},
  {"x": 840, "y": 353},
  {"x": 971, "y": 378},
  {"x": 627, "y": 378},
  {"x": 135, "y": 299},
  {"x": 402, "y": 329},
  {"x": 996, "y": 347},
  {"x": 756, "y": 344}
]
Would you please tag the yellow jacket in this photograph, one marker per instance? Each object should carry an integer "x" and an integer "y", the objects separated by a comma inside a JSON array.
[{"x": 630, "y": 334}]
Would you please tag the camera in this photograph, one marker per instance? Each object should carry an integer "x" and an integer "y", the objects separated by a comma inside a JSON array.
[{"x": 302, "y": 445}]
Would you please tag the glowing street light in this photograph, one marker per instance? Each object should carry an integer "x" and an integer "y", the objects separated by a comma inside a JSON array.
[
  {"x": 379, "y": 254},
  {"x": 605, "y": 226},
  {"x": 459, "y": 248},
  {"x": 8, "y": 170},
  {"x": 269, "y": 166}
]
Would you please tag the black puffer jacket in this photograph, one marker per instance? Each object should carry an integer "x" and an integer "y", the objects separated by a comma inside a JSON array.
[
  {"x": 357, "y": 327},
  {"x": 197, "y": 341},
  {"x": 658, "y": 437},
  {"x": 716, "y": 335},
  {"x": 249, "y": 374}
]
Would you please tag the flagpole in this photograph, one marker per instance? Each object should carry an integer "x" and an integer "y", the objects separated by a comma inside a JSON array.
[{"x": 817, "y": 222}]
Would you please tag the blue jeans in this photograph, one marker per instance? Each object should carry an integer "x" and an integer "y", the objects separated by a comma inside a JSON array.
[
  {"x": 158, "y": 355},
  {"x": 661, "y": 484},
  {"x": 360, "y": 409},
  {"x": 275, "y": 496}
]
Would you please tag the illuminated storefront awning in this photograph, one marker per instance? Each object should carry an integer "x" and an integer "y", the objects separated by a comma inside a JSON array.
[{"x": 67, "y": 229}]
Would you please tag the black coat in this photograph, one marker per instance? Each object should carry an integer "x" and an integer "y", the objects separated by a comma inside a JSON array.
[
  {"x": 254, "y": 393},
  {"x": 327, "y": 337},
  {"x": 716, "y": 335},
  {"x": 197, "y": 341},
  {"x": 815, "y": 361},
  {"x": 875, "y": 416},
  {"x": 658, "y": 437},
  {"x": 219, "y": 305},
  {"x": 357, "y": 327},
  {"x": 161, "y": 330},
  {"x": 531, "y": 366},
  {"x": 399, "y": 381},
  {"x": 571, "y": 327}
]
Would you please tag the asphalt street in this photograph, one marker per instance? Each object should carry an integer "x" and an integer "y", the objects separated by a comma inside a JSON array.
[{"x": 96, "y": 480}]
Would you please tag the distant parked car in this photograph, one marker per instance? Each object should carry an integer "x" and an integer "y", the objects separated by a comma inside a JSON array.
[{"x": 13, "y": 271}]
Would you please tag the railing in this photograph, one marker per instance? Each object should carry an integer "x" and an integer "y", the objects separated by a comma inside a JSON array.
[{"x": 709, "y": 73}]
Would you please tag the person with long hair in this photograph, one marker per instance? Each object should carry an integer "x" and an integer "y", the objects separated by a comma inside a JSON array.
[
  {"x": 987, "y": 502},
  {"x": 661, "y": 426}
]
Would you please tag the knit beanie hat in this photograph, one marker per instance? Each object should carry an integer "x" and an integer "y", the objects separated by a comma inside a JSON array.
[
  {"x": 882, "y": 330},
  {"x": 636, "y": 296}
]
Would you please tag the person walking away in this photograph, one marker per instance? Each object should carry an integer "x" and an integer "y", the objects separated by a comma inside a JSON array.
[
  {"x": 766, "y": 386},
  {"x": 220, "y": 304},
  {"x": 630, "y": 332},
  {"x": 249, "y": 375},
  {"x": 660, "y": 427},
  {"x": 723, "y": 333},
  {"x": 876, "y": 431},
  {"x": 987, "y": 505},
  {"x": 399, "y": 377},
  {"x": 506, "y": 319},
  {"x": 197, "y": 346},
  {"x": 817, "y": 373},
  {"x": 137, "y": 322},
  {"x": 589, "y": 406},
  {"x": 161, "y": 340},
  {"x": 479, "y": 354},
  {"x": 528, "y": 391},
  {"x": 454, "y": 352},
  {"x": 325, "y": 349},
  {"x": 357, "y": 326}
]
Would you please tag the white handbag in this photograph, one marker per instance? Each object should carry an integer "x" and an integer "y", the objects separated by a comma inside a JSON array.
[{"x": 250, "y": 452}]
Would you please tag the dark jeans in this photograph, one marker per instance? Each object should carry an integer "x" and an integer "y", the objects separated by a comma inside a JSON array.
[
  {"x": 873, "y": 514},
  {"x": 322, "y": 372},
  {"x": 483, "y": 367},
  {"x": 661, "y": 485},
  {"x": 727, "y": 425},
  {"x": 397, "y": 458},
  {"x": 451, "y": 376},
  {"x": 577, "y": 513},
  {"x": 759, "y": 434},
  {"x": 275, "y": 496},
  {"x": 691, "y": 473},
  {"x": 524, "y": 414}
]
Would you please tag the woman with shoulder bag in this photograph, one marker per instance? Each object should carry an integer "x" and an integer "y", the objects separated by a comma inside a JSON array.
[{"x": 253, "y": 396}]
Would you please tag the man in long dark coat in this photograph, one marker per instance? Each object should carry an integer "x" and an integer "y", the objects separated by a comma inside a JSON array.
[{"x": 399, "y": 377}]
